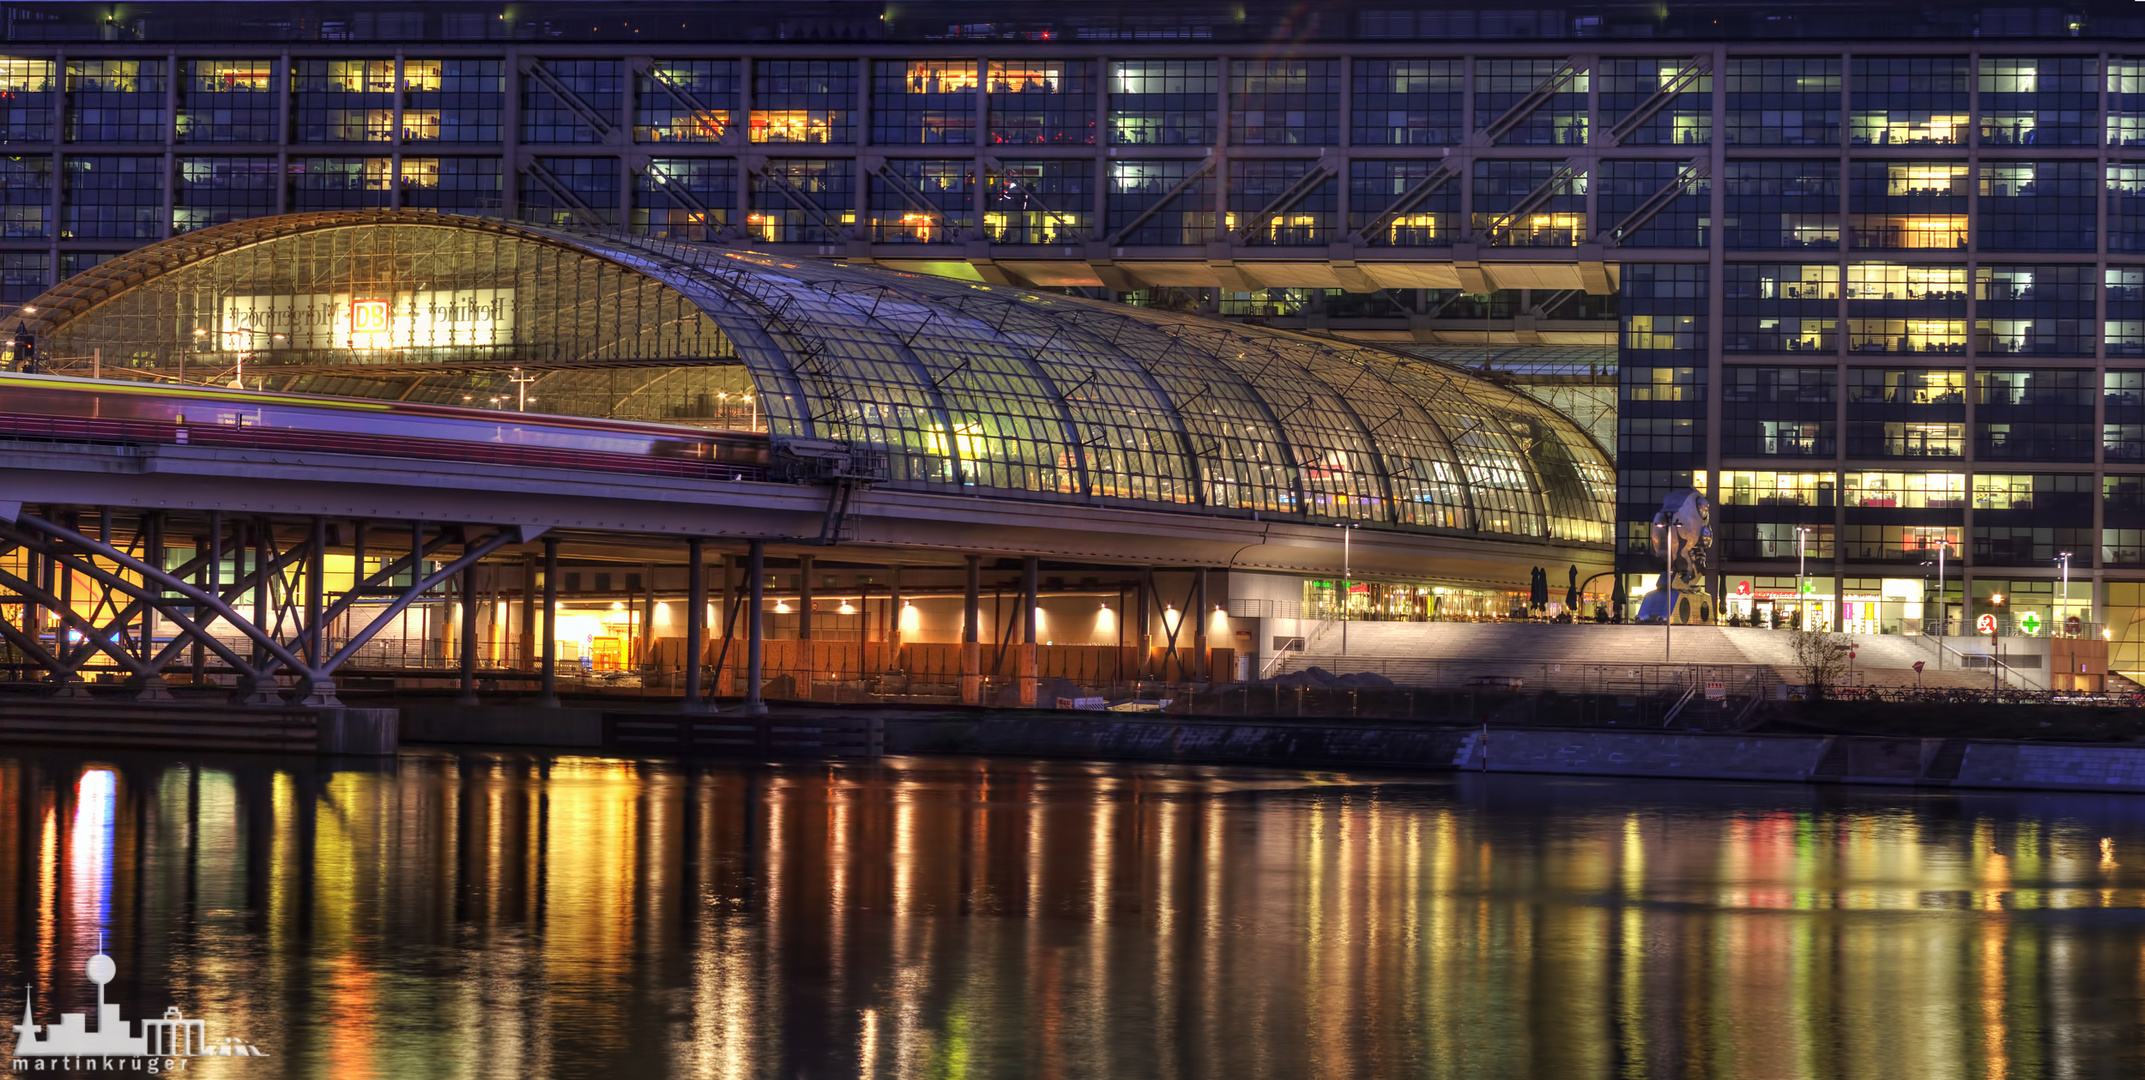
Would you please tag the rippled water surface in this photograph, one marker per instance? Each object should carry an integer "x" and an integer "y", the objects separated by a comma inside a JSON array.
[{"x": 481, "y": 914}]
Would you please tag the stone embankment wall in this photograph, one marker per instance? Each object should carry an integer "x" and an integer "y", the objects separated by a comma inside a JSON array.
[{"x": 1687, "y": 755}]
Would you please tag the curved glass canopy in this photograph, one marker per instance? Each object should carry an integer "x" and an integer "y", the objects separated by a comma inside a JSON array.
[{"x": 979, "y": 389}]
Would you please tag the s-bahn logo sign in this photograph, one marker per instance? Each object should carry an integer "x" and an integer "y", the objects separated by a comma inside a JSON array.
[{"x": 164, "y": 1045}]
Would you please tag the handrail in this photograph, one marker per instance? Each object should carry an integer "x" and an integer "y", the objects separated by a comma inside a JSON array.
[{"x": 1688, "y": 693}]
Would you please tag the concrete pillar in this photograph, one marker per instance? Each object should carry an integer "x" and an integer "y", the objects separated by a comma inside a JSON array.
[
  {"x": 550, "y": 696},
  {"x": 468, "y": 658},
  {"x": 756, "y": 568},
  {"x": 526, "y": 653},
  {"x": 696, "y": 618},
  {"x": 893, "y": 620},
  {"x": 1202, "y": 659},
  {"x": 316, "y": 571},
  {"x": 804, "y": 598},
  {"x": 647, "y": 642},
  {"x": 1029, "y": 646},
  {"x": 971, "y": 635}
]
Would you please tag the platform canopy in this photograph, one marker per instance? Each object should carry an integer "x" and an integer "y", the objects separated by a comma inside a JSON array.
[{"x": 959, "y": 387}]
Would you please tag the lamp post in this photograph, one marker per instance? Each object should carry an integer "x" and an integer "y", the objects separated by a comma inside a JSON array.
[
  {"x": 1341, "y": 594},
  {"x": 1996, "y": 642},
  {"x": 521, "y": 388},
  {"x": 1802, "y": 605},
  {"x": 25, "y": 342},
  {"x": 1668, "y": 584},
  {"x": 2063, "y": 559}
]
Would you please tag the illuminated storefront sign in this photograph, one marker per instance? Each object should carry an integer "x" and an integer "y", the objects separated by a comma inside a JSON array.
[{"x": 415, "y": 319}]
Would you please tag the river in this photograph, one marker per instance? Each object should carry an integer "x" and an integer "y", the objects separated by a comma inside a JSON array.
[{"x": 484, "y": 914}]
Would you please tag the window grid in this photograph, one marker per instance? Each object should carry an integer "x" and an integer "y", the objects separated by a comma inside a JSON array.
[
  {"x": 1042, "y": 103},
  {"x": 1783, "y": 101},
  {"x": 1408, "y": 103},
  {"x": 26, "y": 198},
  {"x": 1373, "y": 188},
  {"x": 600, "y": 85},
  {"x": 830, "y": 185},
  {"x": 454, "y": 185},
  {"x": 946, "y": 187},
  {"x": 115, "y": 101},
  {"x": 1782, "y": 205},
  {"x": 684, "y": 198},
  {"x": 1559, "y": 121},
  {"x": 592, "y": 182},
  {"x": 1164, "y": 102},
  {"x": 229, "y": 101},
  {"x": 214, "y": 190},
  {"x": 923, "y": 102},
  {"x": 693, "y": 101},
  {"x": 804, "y": 101},
  {"x": 342, "y": 183},
  {"x": 343, "y": 101},
  {"x": 112, "y": 198},
  {"x": 1254, "y": 185},
  {"x": 1292, "y": 102},
  {"x": 26, "y": 89},
  {"x": 453, "y": 101},
  {"x": 1908, "y": 101},
  {"x": 1040, "y": 202},
  {"x": 1685, "y": 120}
]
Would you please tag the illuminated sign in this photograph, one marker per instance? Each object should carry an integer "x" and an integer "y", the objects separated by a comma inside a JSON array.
[
  {"x": 421, "y": 318},
  {"x": 2031, "y": 622},
  {"x": 368, "y": 317},
  {"x": 1985, "y": 625}
]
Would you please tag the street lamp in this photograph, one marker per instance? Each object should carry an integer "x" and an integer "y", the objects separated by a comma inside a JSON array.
[
  {"x": 1996, "y": 642},
  {"x": 1802, "y": 604},
  {"x": 2063, "y": 559},
  {"x": 521, "y": 387},
  {"x": 1348, "y": 530}
]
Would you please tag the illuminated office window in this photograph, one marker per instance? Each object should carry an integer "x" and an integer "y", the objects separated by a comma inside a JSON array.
[
  {"x": 1042, "y": 102},
  {"x": 804, "y": 101}
]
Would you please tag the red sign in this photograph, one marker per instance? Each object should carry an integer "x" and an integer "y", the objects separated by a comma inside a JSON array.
[
  {"x": 1918, "y": 666},
  {"x": 1742, "y": 588},
  {"x": 368, "y": 316},
  {"x": 1985, "y": 625}
]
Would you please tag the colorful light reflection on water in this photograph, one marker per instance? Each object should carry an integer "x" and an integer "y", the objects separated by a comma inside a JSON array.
[{"x": 514, "y": 915}]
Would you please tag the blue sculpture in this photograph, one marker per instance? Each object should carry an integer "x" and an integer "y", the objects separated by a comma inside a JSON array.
[{"x": 1683, "y": 537}]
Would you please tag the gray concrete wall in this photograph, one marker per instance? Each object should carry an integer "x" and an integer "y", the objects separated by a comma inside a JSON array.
[
  {"x": 1615, "y": 753},
  {"x": 2078, "y": 768},
  {"x": 502, "y": 725}
]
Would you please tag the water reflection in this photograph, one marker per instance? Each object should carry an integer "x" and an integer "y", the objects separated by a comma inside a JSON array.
[{"x": 514, "y": 915}]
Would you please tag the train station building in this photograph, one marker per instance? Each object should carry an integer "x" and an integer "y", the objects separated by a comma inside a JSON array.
[{"x": 1879, "y": 297}]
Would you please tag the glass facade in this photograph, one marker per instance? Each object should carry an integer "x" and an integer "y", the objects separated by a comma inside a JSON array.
[
  {"x": 962, "y": 389},
  {"x": 1912, "y": 259}
]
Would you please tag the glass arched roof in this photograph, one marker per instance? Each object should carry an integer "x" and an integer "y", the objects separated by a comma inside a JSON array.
[{"x": 987, "y": 390}]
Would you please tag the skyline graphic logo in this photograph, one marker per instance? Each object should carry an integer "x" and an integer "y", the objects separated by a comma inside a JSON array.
[{"x": 164, "y": 1044}]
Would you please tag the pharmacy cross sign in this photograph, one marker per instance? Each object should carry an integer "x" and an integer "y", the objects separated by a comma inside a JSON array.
[{"x": 2031, "y": 622}]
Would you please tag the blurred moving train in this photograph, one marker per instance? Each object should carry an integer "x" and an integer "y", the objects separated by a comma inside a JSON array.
[{"x": 93, "y": 410}]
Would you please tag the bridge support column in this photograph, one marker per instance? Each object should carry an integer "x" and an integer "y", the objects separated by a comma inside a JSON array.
[
  {"x": 804, "y": 604},
  {"x": 549, "y": 699},
  {"x": 756, "y": 569},
  {"x": 525, "y": 655},
  {"x": 467, "y": 661},
  {"x": 971, "y": 635},
  {"x": 1029, "y": 646},
  {"x": 696, "y": 619}
]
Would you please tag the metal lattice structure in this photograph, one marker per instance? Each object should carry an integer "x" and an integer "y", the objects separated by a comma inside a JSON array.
[{"x": 959, "y": 387}]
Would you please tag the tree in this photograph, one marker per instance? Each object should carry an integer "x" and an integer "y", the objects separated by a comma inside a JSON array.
[{"x": 1823, "y": 660}]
